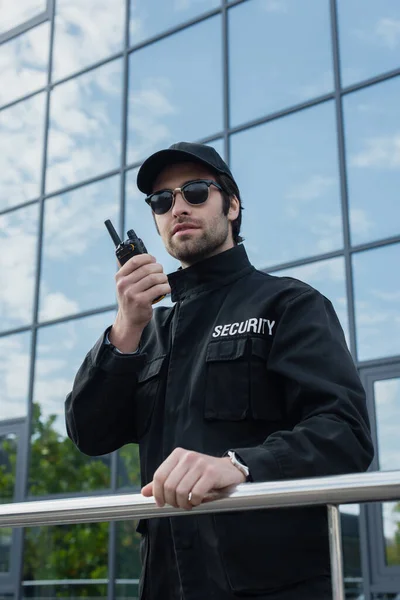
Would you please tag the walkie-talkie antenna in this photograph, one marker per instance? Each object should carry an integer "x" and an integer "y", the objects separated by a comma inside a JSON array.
[{"x": 111, "y": 230}]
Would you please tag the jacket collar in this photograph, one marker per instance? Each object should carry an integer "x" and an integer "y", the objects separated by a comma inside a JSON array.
[{"x": 211, "y": 273}]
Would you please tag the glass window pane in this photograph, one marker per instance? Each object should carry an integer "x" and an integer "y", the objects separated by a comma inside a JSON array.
[
  {"x": 66, "y": 552},
  {"x": 369, "y": 38},
  {"x": 387, "y": 410},
  {"x": 150, "y": 17},
  {"x": 128, "y": 564},
  {"x": 175, "y": 89},
  {"x": 14, "y": 375},
  {"x": 71, "y": 590},
  {"x": 350, "y": 524},
  {"x": 85, "y": 127},
  {"x": 5, "y": 550},
  {"x": 277, "y": 51},
  {"x": 78, "y": 261},
  {"x": 60, "y": 351},
  {"x": 372, "y": 119},
  {"x": 18, "y": 239},
  {"x": 21, "y": 150},
  {"x": 77, "y": 42},
  {"x": 287, "y": 174},
  {"x": 15, "y": 13},
  {"x": 138, "y": 216},
  {"x": 129, "y": 467},
  {"x": 125, "y": 590},
  {"x": 377, "y": 296},
  {"x": 328, "y": 277},
  {"x": 23, "y": 63}
]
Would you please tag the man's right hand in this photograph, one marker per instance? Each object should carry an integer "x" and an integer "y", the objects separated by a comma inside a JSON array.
[{"x": 139, "y": 281}]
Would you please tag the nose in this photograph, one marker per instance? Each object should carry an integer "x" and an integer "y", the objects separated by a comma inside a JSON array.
[{"x": 180, "y": 207}]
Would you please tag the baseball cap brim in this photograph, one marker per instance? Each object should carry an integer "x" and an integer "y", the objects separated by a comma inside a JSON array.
[{"x": 153, "y": 166}]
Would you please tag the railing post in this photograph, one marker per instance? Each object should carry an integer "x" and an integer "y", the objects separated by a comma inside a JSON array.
[{"x": 335, "y": 548}]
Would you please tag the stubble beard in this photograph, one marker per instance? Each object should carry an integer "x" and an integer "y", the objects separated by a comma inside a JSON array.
[{"x": 197, "y": 248}]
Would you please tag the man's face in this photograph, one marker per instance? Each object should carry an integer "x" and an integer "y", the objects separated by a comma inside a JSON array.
[{"x": 207, "y": 230}]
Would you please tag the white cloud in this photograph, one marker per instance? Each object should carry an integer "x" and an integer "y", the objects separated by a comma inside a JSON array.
[
  {"x": 311, "y": 189},
  {"x": 359, "y": 221},
  {"x": 379, "y": 151},
  {"x": 275, "y": 6},
  {"x": 388, "y": 31},
  {"x": 323, "y": 85},
  {"x": 387, "y": 296},
  {"x": 55, "y": 305},
  {"x": 14, "y": 13},
  {"x": 14, "y": 373}
]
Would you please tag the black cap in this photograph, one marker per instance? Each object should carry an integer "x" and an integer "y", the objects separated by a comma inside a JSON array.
[{"x": 180, "y": 152}]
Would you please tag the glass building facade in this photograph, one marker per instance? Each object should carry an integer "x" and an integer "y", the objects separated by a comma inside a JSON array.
[{"x": 302, "y": 98}]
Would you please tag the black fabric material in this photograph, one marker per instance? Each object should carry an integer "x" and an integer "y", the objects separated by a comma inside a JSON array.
[
  {"x": 177, "y": 153},
  {"x": 243, "y": 361}
]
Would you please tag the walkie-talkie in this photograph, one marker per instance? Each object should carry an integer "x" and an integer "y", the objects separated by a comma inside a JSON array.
[{"x": 130, "y": 247}]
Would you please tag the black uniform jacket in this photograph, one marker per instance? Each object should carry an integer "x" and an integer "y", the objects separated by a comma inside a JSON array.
[{"x": 243, "y": 361}]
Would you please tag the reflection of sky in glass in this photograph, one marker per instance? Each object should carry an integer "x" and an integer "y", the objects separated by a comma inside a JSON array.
[
  {"x": 85, "y": 126},
  {"x": 14, "y": 375},
  {"x": 23, "y": 63},
  {"x": 288, "y": 178},
  {"x": 18, "y": 237},
  {"x": 150, "y": 17},
  {"x": 175, "y": 89},
  {"x": 369, "y": 38},
  {"x": 79, "y": 263},
  {"x": 328, "y": 277},
  {"x": 86, "y": 32},
  {"x": 280, "y": 55},
  {"x": 377, "y": 296},
  {"x": 60, "y": 352},
  {"x": 21, "y": 142},
  {"x": 372, "y": 119},
  {"x": 15, "y": 13}
]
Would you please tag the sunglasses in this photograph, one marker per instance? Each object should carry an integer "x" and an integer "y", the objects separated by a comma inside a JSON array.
[{"x": 194, "y": 192}]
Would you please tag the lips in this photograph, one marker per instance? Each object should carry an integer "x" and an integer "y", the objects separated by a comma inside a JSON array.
[{"x": 183, "y": 227}]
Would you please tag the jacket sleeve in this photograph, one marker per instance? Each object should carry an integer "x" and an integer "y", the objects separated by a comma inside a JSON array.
[
  {"x": 323, "y": 398},
  {"x": 99, "y": 411}
]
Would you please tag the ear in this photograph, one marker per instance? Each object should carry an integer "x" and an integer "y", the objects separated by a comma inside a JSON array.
[{"x": 234, "y": 209}]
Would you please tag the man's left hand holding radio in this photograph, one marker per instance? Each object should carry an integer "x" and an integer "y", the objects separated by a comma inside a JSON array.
[{"x": 138, "y": 282}]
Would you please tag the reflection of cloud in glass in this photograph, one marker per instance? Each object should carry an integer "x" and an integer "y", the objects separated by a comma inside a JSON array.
[
  {"x": 168, "y": 100},
  {"x": 60, "y": 351},
  {"x": 288, "y": 177},
  {"x": 369, "y": 38},
  {"x": 21, "y": 142},
  {"x": 277, "y": 56},
  {"x": 85, "y": 32},
  {"x": 328, "y": 277},
  {"x": 14, "y": 375},
  {"x": 372, "y": 119},
  {"x": 150, "y": 17},
  {"x": 18, "y": 235},
  {"x": 15, "y": 13},
  {"x": 377, "y": 290},
  {"x": 79, "y": 264},
  {"x": 85, "y": 126},
  {"x": 23, "y": 63}
]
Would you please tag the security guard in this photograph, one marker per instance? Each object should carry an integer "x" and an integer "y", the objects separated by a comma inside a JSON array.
[{"x": 246, "y": 377}]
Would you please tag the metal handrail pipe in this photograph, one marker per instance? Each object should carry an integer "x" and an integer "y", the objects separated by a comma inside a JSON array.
[{"x": 338, "y": 489}]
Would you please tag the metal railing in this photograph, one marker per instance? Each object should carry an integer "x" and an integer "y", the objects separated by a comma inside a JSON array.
[{"x": 330, "y": 491}]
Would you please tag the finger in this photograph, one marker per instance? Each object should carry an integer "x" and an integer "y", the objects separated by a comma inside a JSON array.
[
  {"x": 184, "y": 493},
  {"x": 201, "y": 488},
  {"x": 152, "y": 293},
  {"x": 151, "y": 281},
  {"x": 139, "y": 273},
  {"x": 161, "y": 475},
  {"x": 147, "y": 490},
  {"x": 135, "y": 262}
]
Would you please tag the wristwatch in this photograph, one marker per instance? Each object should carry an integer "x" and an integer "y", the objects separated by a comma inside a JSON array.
[{"x": 238, "y": 464}]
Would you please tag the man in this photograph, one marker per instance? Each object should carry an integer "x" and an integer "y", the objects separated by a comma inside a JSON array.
[{"x": 246, "y": 377}]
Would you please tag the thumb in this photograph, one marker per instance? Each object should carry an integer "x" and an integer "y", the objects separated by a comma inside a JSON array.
[{"x": 147, "y": 490}]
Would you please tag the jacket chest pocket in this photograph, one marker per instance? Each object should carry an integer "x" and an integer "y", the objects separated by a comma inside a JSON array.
[
  {"x": 238, "y": 384},
  {"x": 148, "y": 384}
]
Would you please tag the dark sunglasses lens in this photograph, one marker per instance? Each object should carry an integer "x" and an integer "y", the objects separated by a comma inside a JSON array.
[
  {"x": 196, "y": 192},
  {"x": 161, "y": 203}
]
